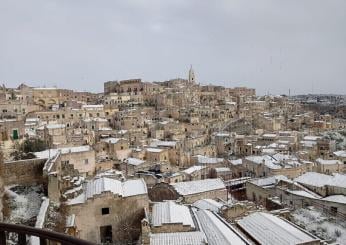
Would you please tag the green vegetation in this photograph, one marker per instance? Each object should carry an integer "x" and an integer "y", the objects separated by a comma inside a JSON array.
[{"x": 25, "y": 149}]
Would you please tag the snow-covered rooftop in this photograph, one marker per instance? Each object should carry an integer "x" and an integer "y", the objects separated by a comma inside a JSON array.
[
  {"x": 170, "y": 212},
  {"x": 111, "y": 140},
  {"x": 193, "y": 169},
  {"x": 223, "y": 134},
  {"x": 134, "y": 161},
  {"x": 340, "y": 153},
  {"x": 269, "y": 135},
  {"x": 276, "y": 161},
  {"x": 267, "y": 160},
  {"x": 327, "y": 162},
  {"x": 208, "y": 204},
  {"x": 307, "y": 143},
  {"x": 336, "y": 198},
  {"x": 269, "y": 229},
  {"x": 208, "y": 160},
  {"x": 237, "y": 161},
  {"x": 125, "y": 189},
  {"x": 320, "y": 180},
  {"x": 269, "y": 180},
  {"x": 198, "y": 186},
  {"x": 91, "y": 107},
  {"x": 216, "y": 230},
  {"x": 312, "y": 138},
  {"x": 101, "y": 185},
  {"x": 52, "y": 126},
  {"x": 302, "y": 193},
  {"x": 220, "y": 170},
  {"x": 178, "y": 238},
  {"x": 160, "y": 143},
  {"x": 155, "y": 150},
  {"x": 52, "y": 152}
]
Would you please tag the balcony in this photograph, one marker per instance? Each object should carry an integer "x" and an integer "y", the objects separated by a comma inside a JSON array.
[{"x": 45, "y": 237}]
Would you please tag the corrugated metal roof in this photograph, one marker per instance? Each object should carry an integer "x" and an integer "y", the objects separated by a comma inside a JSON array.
[
  {"x": 170, "y": 212},
  {"x": 272, "y": 230}
]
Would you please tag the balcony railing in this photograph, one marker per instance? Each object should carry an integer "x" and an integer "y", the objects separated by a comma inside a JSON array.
[{"x": 45, "y": 236}]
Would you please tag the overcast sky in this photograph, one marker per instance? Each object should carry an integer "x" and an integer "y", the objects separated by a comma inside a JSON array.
[{"x": 271, "y": 45}]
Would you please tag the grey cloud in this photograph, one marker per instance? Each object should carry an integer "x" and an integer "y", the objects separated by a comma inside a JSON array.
[{"x": 272, "y": 45}]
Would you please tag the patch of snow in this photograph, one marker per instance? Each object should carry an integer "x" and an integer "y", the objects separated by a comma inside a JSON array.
[
  {"x": 24, "y": 202},
  {"x": 320, "y": 225}
]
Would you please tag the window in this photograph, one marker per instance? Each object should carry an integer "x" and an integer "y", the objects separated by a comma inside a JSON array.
[
  {"x": 86, "y": 161},
  {"x": 105, "y": 211}
]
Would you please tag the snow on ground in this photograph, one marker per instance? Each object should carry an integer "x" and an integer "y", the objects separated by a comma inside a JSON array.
[
  {"x": 317, "y": 223},
  {"x": 24, "y": 203},
  {"x": 338, "y": 136}
]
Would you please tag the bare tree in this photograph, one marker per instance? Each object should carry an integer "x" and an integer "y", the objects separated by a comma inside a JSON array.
[{"x": 128, "y": 222}]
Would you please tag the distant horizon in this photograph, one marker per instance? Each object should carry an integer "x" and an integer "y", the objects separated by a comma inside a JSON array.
[{"x": 202, "y": 84}]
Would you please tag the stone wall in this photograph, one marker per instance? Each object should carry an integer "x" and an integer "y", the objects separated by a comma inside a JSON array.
[
  {"x": 23, "y": 172},
  {"x": 169, "y": 228},
  {"x": 213, "y": 194}
]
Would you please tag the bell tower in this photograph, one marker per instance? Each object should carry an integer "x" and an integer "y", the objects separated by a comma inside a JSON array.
[{"x": 191, "y": 76}]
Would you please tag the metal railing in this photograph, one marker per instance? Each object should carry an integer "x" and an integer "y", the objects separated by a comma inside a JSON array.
[{"x": 45, "y": 236}]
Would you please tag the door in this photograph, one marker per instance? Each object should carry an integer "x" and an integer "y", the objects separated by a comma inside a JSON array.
[
  {"x": 106, "y": 234},
  {"x": 15, "y": 134}
]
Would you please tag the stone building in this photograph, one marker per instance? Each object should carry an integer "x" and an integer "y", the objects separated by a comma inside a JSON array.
[
  {"x": 106, "y": 206},
  {"x": 53, "y": 134}
]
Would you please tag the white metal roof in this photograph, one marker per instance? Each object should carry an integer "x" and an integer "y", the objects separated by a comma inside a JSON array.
[
  {"x": 272, "y": 230},
  {"x": 170, "y": 212},
  {"x": 208, "y": 204},
  {"x": 125, "y": 189},
  {"x": 198, "y": 186},
  {"x": 178, "y": 238},
  {"x": 216, "y": 230}
]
